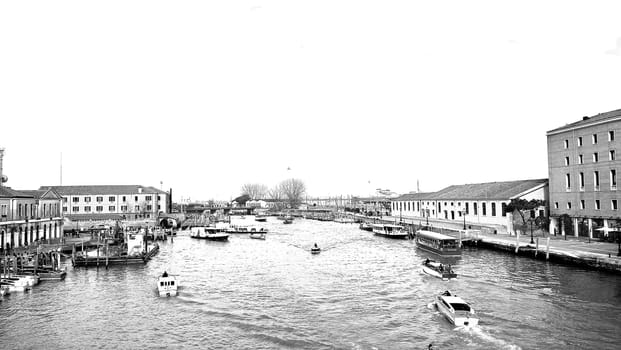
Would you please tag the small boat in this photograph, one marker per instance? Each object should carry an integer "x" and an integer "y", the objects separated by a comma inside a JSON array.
[
  {"x": 258, "y": 235},
  {"x": 288, "y": 220},
  {"x": 167, "y": 285},
  {"x": 315, "y": 250},
  {"x": 29, "y": 280},
  {"x": 437, "y": 269},
  {"x": 260, "y": 218},
  {"x": 366, "y": 226},
  {"x": 390, "y": 231},
  {"x": 210, "y": 233},
  {"x": 455, "y": 309}
]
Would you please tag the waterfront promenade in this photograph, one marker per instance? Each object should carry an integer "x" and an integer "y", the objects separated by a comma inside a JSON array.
[{"x": 567, "y": 249}]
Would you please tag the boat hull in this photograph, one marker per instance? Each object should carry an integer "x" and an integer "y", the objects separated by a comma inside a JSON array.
[
  {"x": 213, "y": 237},
  {"x": 393, "y": 236},
  {"x": 458, "y": 319}
]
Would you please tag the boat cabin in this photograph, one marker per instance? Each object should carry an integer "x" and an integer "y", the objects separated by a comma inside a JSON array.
[{"x": 437, "y": 243}]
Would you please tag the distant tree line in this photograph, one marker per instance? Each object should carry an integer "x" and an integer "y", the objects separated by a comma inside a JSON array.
[{"x": 290, "y": 192}]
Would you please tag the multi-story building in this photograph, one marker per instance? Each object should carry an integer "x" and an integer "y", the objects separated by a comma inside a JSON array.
[
  {"x": 482, "y": 204},
  {"x": 583, "y": 167},
  {"x": 111, "y": 202},
  {"x": 28, "y": 216}
]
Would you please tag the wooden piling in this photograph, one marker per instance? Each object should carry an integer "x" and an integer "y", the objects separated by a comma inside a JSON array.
[
  {"x": 536, "y": 246},
  {"x": 548, "y": 249},
  {"x": 517, "y": 241}
]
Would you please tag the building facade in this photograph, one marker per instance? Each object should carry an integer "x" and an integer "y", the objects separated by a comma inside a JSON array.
[
  {"x": 483, "y": 204},
  {"x": 111, "y": 202},
  {"x": 583, "y": 167},
  {"x": 27, "y": 217}
]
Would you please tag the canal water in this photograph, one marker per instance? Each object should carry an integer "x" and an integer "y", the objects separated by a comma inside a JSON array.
[{"x": 361, "y": 292}]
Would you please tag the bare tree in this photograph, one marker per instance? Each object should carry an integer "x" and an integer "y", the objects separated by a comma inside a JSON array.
[
  {"x": 255, "y": 191},
  {"x": 275, "y": 193},
  {"x": 293, "y": 190}
]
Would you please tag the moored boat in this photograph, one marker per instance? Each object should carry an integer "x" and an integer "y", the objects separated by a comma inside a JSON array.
[
  {"x": 288, "y": 220},
  {"x": 315, "y": 249},
  {"x": 260, "y": 218},
  {"x": 455, "y": 309},
  {"x": 390, "y": 231},
  {"x": 437, "y": 243},
  {"x": 439, "y": 270}
]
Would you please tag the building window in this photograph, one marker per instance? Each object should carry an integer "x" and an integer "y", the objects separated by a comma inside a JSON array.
[
  {"x": 503, "y": 209},
  {"x": 111, "y": 208},
  {"x": 135, "y": 198},
  {"x": 64, "y": 209},
  {"x": 467, "y": 208},
  {"x": 87, "y": 209},
  {"x": 483, "y": 208},
  {"x": 594, "y": 139},
  {"x": 611, "y": 154},
  {"x": 566, "y": 144},
  {"x": 99, "y": 208},
  {"x": 581, "y": 177},
  {"x": 123, "y": 208},
  {"x": 595, "y": 157},
  {"x": 475, "y": 207},
  {"x": 99, "y": 199},
  {"x": 568, "y": 205},
  {"x": 76, "y": 199},
  {"x": 566, "y": 161},
  {"x": 158, "y": 207},
  {"x": 87, "y": 199},
  {"x": 567, "y": 182},
  {"x": 111, "y": 199},
  {"x": 148, "y": 198},
  {"x": 597, "y": 204},
  {"x": 124, "y": 199},
  {"x": 64, "y": 199},
  {"x": 555, "y": 205},
  {"x": 596, "y": 180},
  {"x": 158, "y": 197},
  {"x": 493, "y": 209},
  {"x": 613, "y": 179},
  {"x": 149, "y": 207},
  {"x": 137, "y": 208},
  {"x": 613, "y": 205},
  {"x": 580, "y": 141},
  {"x": 580, "y": 159},
  {"x": 75, "y": 209},
  {"x": 611, "y": 135},
  {"x": 582, "y": 204}
]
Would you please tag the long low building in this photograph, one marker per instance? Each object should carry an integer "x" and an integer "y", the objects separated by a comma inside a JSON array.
[
  {"x": 112, "y": 202},
  {"x": 482, "y": 204}
]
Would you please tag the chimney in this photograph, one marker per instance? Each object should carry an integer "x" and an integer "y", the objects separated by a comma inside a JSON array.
[
  {"x": 139, "y": 189},
  {"x": 585, "y": 118}
]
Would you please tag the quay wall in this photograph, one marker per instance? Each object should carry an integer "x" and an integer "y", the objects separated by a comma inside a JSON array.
[{"x": 591, "y": 261}]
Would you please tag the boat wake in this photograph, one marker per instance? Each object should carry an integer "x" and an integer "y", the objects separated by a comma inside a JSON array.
[{"x": 477, "y": 331}]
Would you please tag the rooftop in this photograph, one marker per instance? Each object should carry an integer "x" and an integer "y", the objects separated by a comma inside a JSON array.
[
  {"x": 488, "y": 190},
  {"x": 7, "y": 192},
  {"x": 586, "y": 121},
  {"x": 102, "y": 190}
]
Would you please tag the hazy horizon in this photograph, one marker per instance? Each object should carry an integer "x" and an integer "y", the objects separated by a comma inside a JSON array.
[{"x": 349, "y": 96}]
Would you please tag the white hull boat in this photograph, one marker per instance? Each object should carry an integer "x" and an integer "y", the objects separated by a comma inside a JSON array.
[
  {"x": 167, "y": 285},
  {"x": 456, "y": 310}
]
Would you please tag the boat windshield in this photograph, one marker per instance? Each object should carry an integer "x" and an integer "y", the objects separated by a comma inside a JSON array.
[{"x": 460, "y": 307}]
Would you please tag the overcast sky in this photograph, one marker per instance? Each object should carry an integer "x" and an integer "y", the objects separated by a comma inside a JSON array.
[{"x": 205, "y": 96}]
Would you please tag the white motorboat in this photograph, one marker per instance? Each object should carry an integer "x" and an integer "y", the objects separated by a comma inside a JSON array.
[
  {"x": 167, "y": 285},
  {"x": 439, "y": 270},
  {"x": 390, "y": 231},
  {"x": 315, "y": 249},
  {"x": 209, "y": 232},
  {"x": 29, "y": 280},
  {"x": 456, "y": 310},
  {"x": 258, "y": 235}
]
